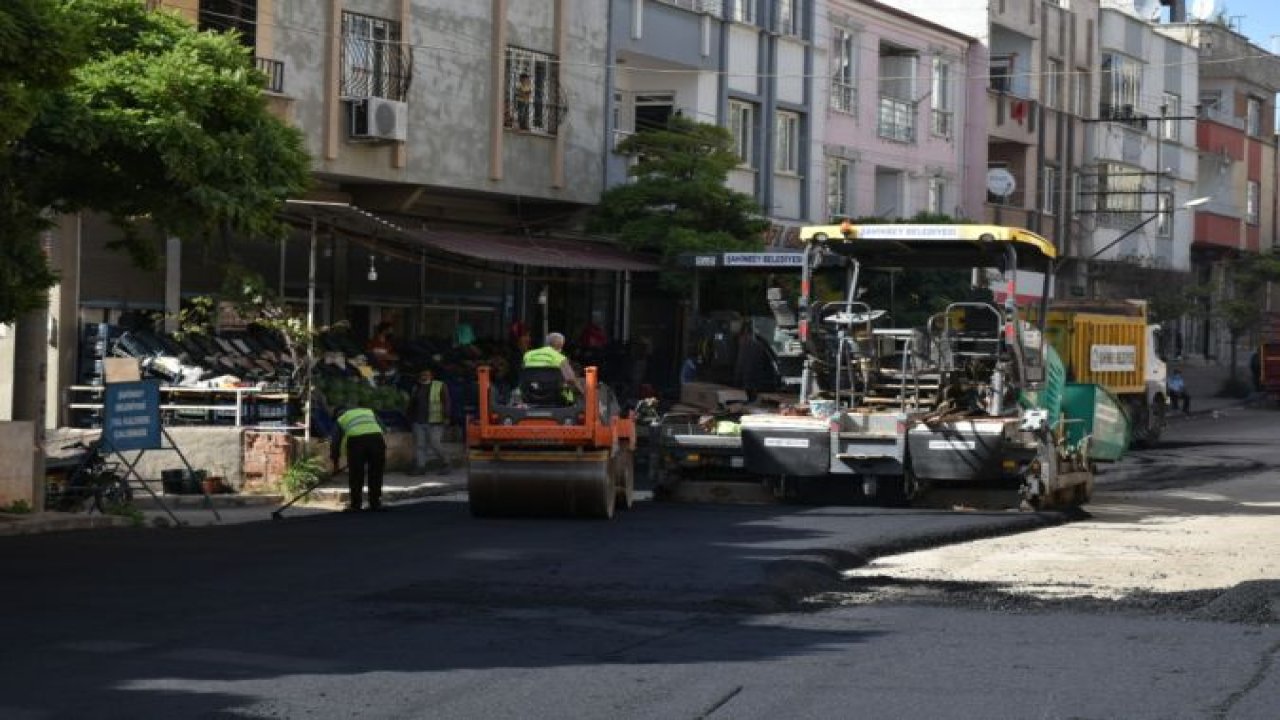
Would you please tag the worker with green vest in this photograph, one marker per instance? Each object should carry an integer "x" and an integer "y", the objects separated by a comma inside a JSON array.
[
  {"x": 359, "y": 435},
  {"x": 551, "y": 356},
  {"x": 428, "y": 410}
]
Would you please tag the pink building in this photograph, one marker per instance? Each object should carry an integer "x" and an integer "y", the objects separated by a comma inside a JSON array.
[{"x": 905, "y": 127}]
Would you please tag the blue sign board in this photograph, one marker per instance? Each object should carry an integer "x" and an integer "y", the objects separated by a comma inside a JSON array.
[{"x": 132, "y": 419}]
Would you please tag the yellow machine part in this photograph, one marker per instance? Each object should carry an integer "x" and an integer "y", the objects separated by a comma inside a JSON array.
[{"x": 571, "y": 483}]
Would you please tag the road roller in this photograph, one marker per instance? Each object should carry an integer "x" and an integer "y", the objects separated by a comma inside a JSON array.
[{"x": 547, "y": 452}]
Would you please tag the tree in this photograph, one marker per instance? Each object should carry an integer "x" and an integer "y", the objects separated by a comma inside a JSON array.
[
  {"x": 159, "y": 126},
  {"x": 39, "y": 47},
  {"x": 1242, "y": 311},
  {"x": 166, "y": 130},
  {"x": 678, "y": 200}
]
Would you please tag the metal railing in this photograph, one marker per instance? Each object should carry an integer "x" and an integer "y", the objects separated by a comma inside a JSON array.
[{"x": 274, "y": 70}]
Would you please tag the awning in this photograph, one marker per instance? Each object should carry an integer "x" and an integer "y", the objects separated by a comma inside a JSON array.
[
  {"x": 536, "y": 251},
  {"x": 544, "y": 252}
]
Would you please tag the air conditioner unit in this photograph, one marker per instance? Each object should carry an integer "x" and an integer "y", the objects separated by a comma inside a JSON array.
[{"x": 375, "y": 118}]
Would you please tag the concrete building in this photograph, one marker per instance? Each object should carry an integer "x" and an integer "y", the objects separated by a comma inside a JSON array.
[
  {"x": 1041, "y": 86},
  {"x": 1142, "y": 163},
  {"x": 456, "y": 148},
  {"x": 1236, "y": 142},
  {"x": 743, "y": 64},
  {"x": 905, "y": 114}
]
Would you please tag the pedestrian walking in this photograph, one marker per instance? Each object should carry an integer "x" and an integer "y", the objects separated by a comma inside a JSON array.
[
  {"x": 428, "y": 410},
  {"x": 360, "y": 436}
]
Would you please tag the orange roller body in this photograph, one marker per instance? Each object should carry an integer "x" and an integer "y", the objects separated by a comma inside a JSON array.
[{"x": 572, "y": 461}]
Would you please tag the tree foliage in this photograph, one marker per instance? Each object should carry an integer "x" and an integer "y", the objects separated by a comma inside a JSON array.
[
  {"x": 678, "y": 200},
  {"x": 39, "y": 47},
  {"x": 162, "y": 128}
]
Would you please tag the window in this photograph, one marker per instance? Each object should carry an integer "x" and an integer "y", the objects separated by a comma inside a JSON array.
[
  {"x": 897, "y": 120},
  {"x": 374, "y": 64},
  {"x": 1121, "y": 87},
  {"x": 1053, "y": 83},
  {"x": 937, "y": 202},
  {"x": 789, "y": 17},
  {"x": 1164, "y": 215},
  {"x": 1049, "y": 182},
  {"x": 744, "y": 11},
  {"x": 1080, "y": 91},
  {"x": 533, "y": 92},
  {"x": 1253, "y": 116},
  {"x": 896, "y": 116},
  {"x": 1001, "y": 73},
  {"x": 742, "y": 120},
  {"x": 838, "y": 180},
  {"x": 1119, "y": 189},
  {"x": 231, "y": 16},
  {"x": 844, "y": 93},
  {"x": 1251, "y": 202},
  {"x": 786, "y": 138},
  {"x": 941, "y": 124},
  {"x": 1172, "y": 129}
]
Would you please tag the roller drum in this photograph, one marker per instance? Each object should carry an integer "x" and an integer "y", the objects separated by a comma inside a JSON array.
[{"x": 548, "y": 484}]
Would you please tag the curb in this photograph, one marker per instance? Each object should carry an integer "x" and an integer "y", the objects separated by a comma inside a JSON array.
[{"x": 58, "y": 522}]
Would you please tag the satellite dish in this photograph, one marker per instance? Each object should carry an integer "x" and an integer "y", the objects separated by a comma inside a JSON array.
[
  {"x": 1147, "y": 9},
  {"x": 1000, "y": 182},
  {"x": 1203, "y": 10}
]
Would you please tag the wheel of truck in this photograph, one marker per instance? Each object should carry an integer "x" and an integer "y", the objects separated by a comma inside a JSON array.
[{"x": 1147, "y": 422}]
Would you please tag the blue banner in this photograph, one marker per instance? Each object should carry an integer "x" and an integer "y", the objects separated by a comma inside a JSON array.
[{"x": 132, "y": 419}]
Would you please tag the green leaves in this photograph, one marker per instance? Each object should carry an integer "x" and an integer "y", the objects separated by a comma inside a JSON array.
[
  {"x": 678, "y": 201},
  {"x": 134, "y": 114}
]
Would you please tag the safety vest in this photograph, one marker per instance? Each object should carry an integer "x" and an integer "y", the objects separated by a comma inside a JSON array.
[
  {"x": 356, "y": 422},
  {"x": 543, "y": 357},
  {"x": 435, "y": 402}
]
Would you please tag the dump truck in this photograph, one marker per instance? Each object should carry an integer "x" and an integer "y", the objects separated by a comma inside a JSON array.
[
  {"x": 545, "y": 452},
  {"x": 1111, "y": 343},
  {"x": 971, "y": 407}
]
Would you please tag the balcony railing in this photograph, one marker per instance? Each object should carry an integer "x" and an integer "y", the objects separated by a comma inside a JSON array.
[
  {"x": 274, "y": 70},
  {"x": 942, "y": 123},
  {"x": 844, "y": 96},
  {"x": 713, "y": 7},
  {"x": 897, "y": 119}
]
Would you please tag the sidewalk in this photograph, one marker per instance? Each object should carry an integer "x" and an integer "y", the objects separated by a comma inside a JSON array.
[
  {"x": 194, "y": 510},
  {"x": 1204, "y": 380}
]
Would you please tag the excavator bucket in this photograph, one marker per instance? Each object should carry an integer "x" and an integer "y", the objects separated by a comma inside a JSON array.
[{"x": 559, "y": 460}]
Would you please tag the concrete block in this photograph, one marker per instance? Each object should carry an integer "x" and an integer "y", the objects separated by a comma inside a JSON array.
[{"x": 17, "y": 465}]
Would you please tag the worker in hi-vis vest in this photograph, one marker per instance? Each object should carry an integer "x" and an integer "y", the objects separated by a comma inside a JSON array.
[
  {"x": 551, "y": 355},
  {"x": 359, "y": 435},
  {"x": 428, "y": 410}
]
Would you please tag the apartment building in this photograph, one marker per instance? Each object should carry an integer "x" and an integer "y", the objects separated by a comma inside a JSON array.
[
  {"x": 1143, "y": 163},
  {"x": 1236, "y": 143},
  {"x": 905, "y": 128},
  {"x": 1041, "y": 84},
  {"x": 747, "y": 65},
  {"x": 456, "y": 147}
]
